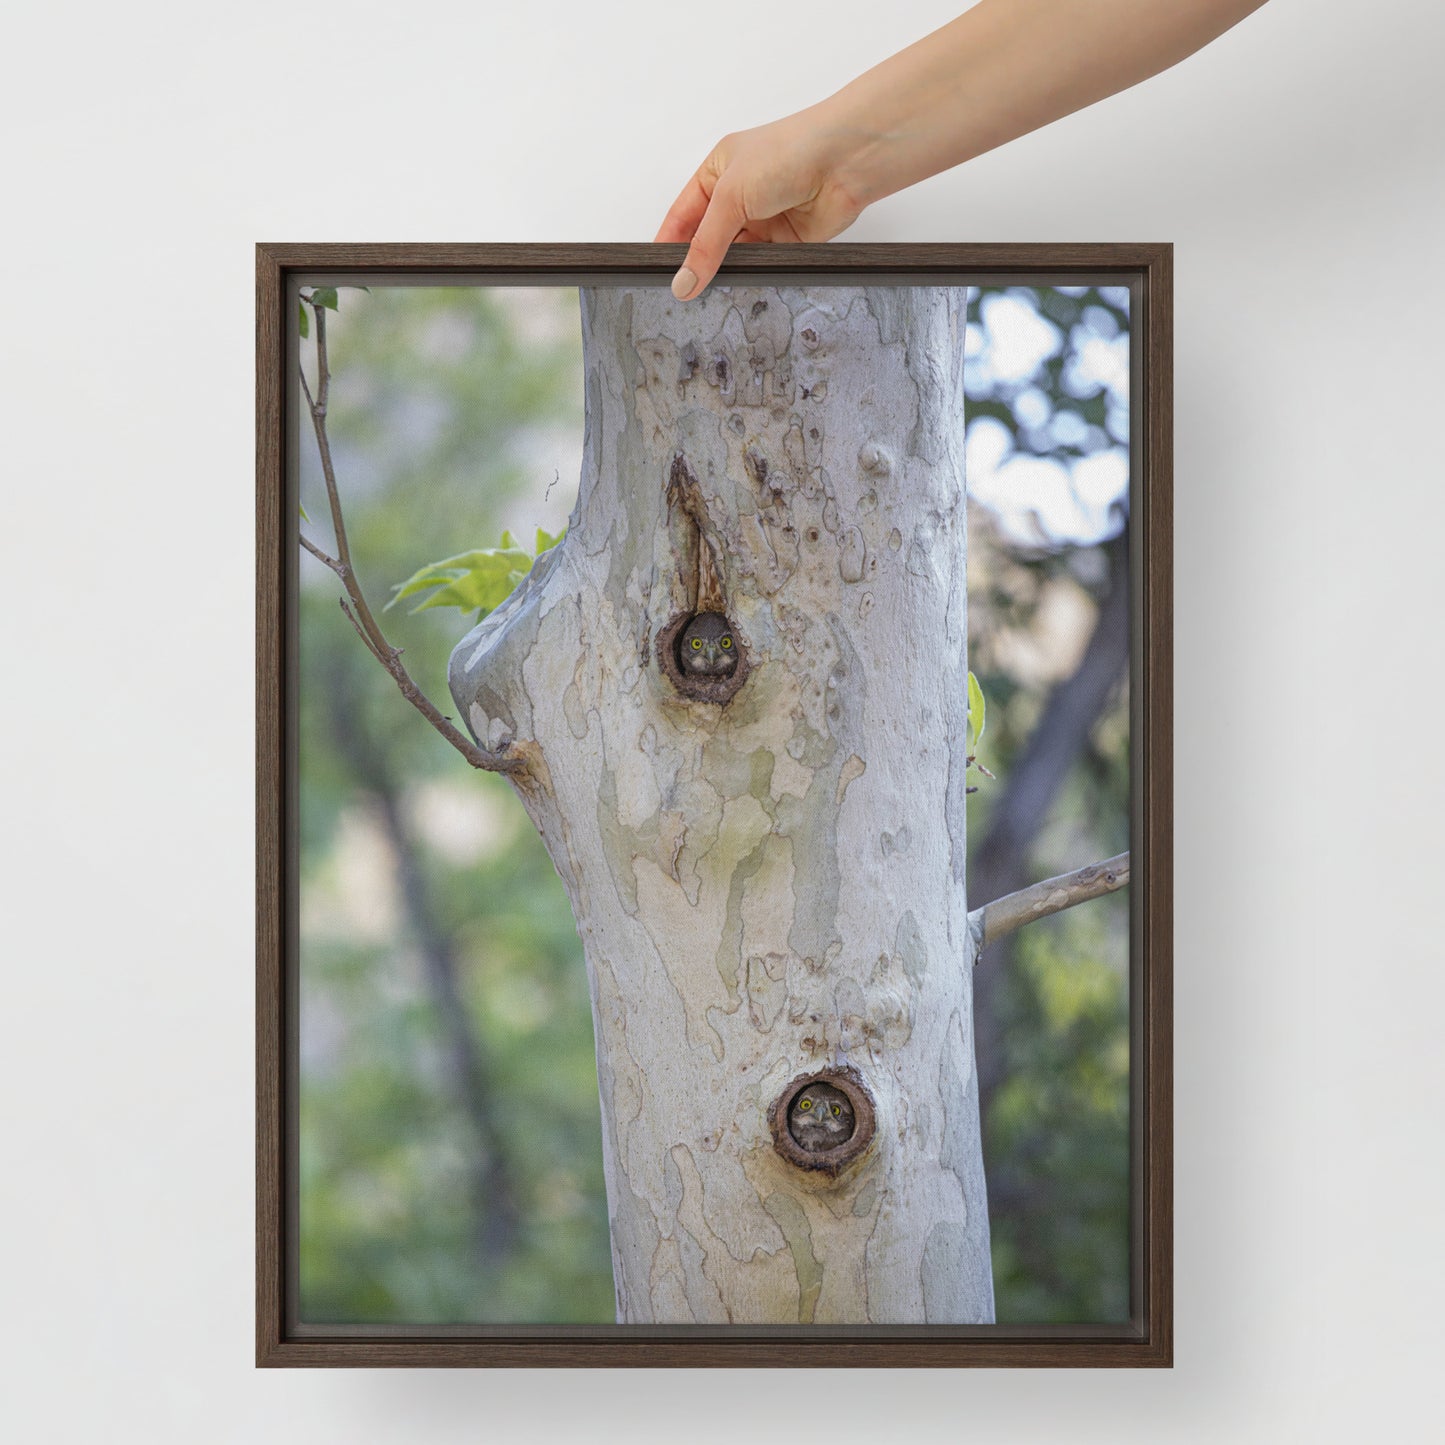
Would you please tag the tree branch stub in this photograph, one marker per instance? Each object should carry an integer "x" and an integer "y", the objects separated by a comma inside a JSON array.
[{"x": 1051, "y": 895}]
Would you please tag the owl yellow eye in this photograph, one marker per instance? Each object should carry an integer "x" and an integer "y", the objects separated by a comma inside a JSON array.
[
  {"x": 727, "y": 642},
  {"x": 697, "y": 644},
  {"x": 836, "y": 1111},
  {"x": 804, "y": 1105}
]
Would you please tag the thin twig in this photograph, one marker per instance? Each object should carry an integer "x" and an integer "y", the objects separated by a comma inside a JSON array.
[
  {"x": 323, "y": 366},
  {"x": 320, "y": 555},
  {"x": 1001, "y": 917},
  {"x": 359, "y": 614},
  {"x": 361, "y": 631}
]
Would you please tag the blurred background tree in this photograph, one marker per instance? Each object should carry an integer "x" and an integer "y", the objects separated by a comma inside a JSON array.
[
  {"x": 451, "y": 1166},
  {"x": 1047, "y": 381}
]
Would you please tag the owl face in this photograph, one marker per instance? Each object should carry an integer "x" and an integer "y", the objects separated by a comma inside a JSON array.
[
  {"x": 707, "y": 648},
  {"x": 821, "y": 1118}
]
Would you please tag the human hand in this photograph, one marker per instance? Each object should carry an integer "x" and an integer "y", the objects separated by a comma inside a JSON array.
[
  {"x": 779, "y": 182},
  {"x": 977, "y": 82}
]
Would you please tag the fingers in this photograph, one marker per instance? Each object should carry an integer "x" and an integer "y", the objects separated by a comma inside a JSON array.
[
  {"x": 686, "y": 211},
  {"x": 723, "y": 219}
]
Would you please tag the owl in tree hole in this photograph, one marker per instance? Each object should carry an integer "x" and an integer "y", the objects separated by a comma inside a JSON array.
[
  {"x": 707, "y": 648},
  {"x": 821, "y": 1118}
]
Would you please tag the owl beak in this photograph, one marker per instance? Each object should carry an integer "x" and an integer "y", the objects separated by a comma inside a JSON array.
[{"x": 710, "y": 651}]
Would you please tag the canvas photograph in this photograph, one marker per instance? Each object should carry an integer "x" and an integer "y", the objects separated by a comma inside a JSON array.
[{"x": 713, "y": 781}]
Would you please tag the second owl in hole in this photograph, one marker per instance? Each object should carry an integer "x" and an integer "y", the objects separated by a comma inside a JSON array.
[{"x": 821, "y": 1118}]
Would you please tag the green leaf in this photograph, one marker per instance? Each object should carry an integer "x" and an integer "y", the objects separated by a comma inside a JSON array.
[
  {"x": 481, "y": 591},
  {"x": 434, "y": 574},
  {"x": 324, "y": 296},
  {"x": 472, "y": 581},
  {"x": 305, "y": 322},
  {"x": 304, "y": 517},
  {"x": 975, "y": 712},
  {"x": 477, "y": 581}
]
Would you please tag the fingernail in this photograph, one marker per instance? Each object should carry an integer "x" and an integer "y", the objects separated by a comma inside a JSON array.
[{"x": 683, "y": 284}]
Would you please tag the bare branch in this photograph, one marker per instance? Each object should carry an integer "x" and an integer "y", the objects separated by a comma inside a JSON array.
[
  {"x": 361, "y": 631},
  {"x": 320, "y": 555},
  {"x": 1001, "y": 917},
  {"x": 323, "y": 366},
  {"x": 359, "y": 614}
]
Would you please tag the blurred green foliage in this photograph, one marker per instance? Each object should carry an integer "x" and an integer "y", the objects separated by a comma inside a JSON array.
[
  {"x": 1056, "y": 1120},
  {"x": 449, "y": 1132},
  {"x": 415, "y": 870}
]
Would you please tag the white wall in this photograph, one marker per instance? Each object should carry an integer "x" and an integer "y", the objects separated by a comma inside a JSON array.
[{"x": 1297, "y": 165}]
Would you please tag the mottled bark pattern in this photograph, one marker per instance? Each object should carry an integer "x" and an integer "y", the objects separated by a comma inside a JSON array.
[{"x": 773, "y": 885}]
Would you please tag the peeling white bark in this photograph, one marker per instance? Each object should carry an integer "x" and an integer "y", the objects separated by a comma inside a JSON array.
[{"x": 776, "y": 884}]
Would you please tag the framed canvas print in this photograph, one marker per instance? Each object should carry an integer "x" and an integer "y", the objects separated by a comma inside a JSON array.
[{"x": 714, "y": 806}]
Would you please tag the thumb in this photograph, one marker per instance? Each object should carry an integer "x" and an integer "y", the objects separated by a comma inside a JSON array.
[{"x": 724, "y": 218}]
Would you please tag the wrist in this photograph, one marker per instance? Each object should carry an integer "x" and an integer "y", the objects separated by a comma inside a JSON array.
[{"x": 852, "y": 151}]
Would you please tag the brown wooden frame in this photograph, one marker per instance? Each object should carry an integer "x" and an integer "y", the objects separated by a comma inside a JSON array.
[{"x": 1148, "y": 1338}]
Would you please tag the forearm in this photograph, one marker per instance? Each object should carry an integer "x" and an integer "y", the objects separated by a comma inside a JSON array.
[{"x": 1000, "y": 70}]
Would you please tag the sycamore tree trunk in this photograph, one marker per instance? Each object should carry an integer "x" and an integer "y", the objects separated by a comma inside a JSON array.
[{"x": 767, "y": 870}]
